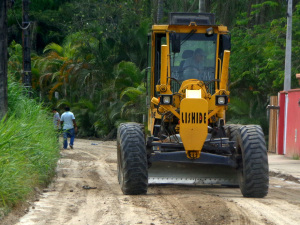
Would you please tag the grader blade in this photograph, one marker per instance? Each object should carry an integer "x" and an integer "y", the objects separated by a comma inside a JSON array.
[
  {"x": 209, "y": 169},
  {"x": 191, "y": 174}
]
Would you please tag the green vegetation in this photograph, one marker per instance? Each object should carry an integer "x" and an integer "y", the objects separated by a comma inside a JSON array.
[
  {"x": 93, "y": 54},
  {"x": 296, "y": 157},
  {"x": 28, "y": 148}
]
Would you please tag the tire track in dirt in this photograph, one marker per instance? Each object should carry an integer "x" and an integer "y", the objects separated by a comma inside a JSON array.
[
  {"x": 95, "y": 165},
  {"x": 195, "y": 206},
  {"x": 109, "y": 213},
  {"x": 68, "y": 203},
  {"x": 281, "y": 206}
]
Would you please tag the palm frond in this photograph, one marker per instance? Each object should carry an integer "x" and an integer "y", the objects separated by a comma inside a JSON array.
[
  {"x": 131, "y": 92},
  {"x": 54, "y": 47}
]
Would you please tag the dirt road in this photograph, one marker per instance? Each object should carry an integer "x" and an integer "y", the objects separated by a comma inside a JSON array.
[{"x": 86, "y": 192}]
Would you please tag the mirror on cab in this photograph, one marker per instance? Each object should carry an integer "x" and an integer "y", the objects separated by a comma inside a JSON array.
[
  {"x": 225, "y": 42},
  {"x": 175, "y": 38}
]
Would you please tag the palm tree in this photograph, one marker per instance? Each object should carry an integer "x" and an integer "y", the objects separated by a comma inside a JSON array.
[
  {"x": 134, "y": 106},
  {"x": 55, "y": 69},
  {"x": 67, "y": 69},
  {"x": 120, "y": 100},
  {"x": 131, "y": 91}
]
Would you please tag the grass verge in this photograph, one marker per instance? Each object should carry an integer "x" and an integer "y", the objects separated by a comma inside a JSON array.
[{"x": 28, "y": 148}]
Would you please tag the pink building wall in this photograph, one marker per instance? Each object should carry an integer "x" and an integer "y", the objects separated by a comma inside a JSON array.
[{"x": 293, "y": 124}]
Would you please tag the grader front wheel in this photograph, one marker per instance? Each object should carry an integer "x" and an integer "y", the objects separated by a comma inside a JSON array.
[
  {"x": 254, "y": 169},
  {"x": 232, "y": 131},
  {"x": 132, "y": 159}
]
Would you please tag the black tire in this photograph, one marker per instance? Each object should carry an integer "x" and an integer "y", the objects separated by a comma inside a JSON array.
[
  {"x": 132, "y": 159},
  {"x": 253, "y": 171},
  {"x": 232, "y": 131}
]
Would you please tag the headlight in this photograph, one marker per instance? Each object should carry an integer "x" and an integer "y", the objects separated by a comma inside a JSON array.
[
  {"x": 221, "y": 100},
  {"x": 166, "y": 99}
]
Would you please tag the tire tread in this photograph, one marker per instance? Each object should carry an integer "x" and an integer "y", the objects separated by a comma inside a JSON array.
[
  {"x": 254, "y": 176},
  {"x": 133, "y": 158}
]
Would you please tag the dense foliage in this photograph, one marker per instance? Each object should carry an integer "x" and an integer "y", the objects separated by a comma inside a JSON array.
[
  {"x": 29, "y": 148},
  {"x": 257, "y": 66},
  {"x": 93, "y": 54}
]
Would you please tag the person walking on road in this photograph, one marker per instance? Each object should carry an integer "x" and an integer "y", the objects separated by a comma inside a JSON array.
[
  {"x": 69, "y": 127},
  {"x": 56, "y": 119}
]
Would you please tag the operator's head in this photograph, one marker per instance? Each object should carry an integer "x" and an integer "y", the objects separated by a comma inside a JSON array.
[
  {"x": 199, "y": 54},
  {"x": 67, "y": 108}
]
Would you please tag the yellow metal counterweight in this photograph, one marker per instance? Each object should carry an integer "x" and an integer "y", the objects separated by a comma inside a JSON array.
[{"x": 193, "y": 125}]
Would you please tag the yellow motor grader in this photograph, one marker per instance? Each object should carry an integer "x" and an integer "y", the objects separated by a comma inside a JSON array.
[{"x": 186, "y": 140}]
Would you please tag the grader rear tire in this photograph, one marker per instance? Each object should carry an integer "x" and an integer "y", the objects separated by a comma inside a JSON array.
[
  {"x": 132, "y": 159},
  {"x": 253, "y": 165}
]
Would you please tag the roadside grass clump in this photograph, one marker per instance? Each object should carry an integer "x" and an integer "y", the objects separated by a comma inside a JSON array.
[
  {"x": 29, "y": 149},
  {"x": 296, "y": 156}
]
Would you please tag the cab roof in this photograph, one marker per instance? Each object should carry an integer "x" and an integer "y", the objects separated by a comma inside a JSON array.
[{"x": 187, "y": 21}]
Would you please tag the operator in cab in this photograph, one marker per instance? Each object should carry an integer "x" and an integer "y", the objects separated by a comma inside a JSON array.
[{"x": 193, "y": 67}]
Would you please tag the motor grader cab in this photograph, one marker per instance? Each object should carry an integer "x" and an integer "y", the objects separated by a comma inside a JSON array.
[{"x": 186, "y": 139}]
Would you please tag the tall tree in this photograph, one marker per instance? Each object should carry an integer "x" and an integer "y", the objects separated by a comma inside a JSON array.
[
  {"x": 202, "y": 8},
  {"x": 3, "y": 58},
  {"x": 26, "y": 47},
  {"x": 160, "y": 12}
]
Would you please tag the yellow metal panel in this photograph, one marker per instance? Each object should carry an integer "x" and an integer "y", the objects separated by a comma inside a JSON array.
[
  {"x": 150, "y": 121},
  {"x": 212, "y": 103},
  {"x": 160, "y": 27},
  {"x": 152, "y": 65},
  {"x": 215, "y": 111},
  {"x": 222, "y": 29},
  {"x": 187, "y": 29},
  {"x": 164, "y": 61},
  {"x": 224, "y": 76},
  {"x": 193, "y": 124},
  {"x": 218, "y": 60}
]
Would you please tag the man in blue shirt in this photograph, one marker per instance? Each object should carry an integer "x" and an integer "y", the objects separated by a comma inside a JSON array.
[{"x": 69, "y": 127}]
